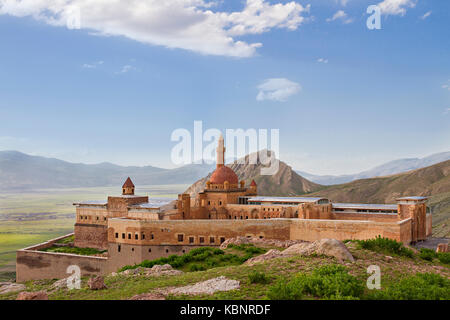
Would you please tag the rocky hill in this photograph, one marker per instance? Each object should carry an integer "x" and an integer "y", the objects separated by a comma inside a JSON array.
[
  {"x": 286, "y": 182},
  {"x": 433, "y": 181}
]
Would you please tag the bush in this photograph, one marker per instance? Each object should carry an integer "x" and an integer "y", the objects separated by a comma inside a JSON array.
[
  {"x": 198, "y": 259},
  {"x": 385, "y": 245},
  {"x": 258, "y": 277},
  {"x": 427, "y": 254},
  {"x": 444, "y": 257},
  {"x": 329, "y": 282},
  {"x": 422, "y": 286}
]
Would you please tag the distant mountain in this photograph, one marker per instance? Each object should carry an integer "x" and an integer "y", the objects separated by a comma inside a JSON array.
[
  {"x": 19, "y": 171},
  {"x": 286, "y": 182},
  {"x": 433, "y": 181},
  {"x": 392, "y": 167}
]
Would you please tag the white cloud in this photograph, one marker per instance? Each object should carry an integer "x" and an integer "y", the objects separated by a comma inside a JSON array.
[
  {"x": 340, "y": 15},
  {"x": 277, "y": 89},
  {"x": 126, "y": 68},
  {"x": 184, "y": 24},
  {"x": 426, "y": 15},
  {"x": 446, "y": 86},
  {"x": 93, "y": 65},
  {"x": 322, "y": 60},
  {"x": 396, "y": 7}
]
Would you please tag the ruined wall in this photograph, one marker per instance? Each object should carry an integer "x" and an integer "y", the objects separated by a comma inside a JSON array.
[
  {"x": 91, "y": 236},
  {"x": 32, "y": 264},
  {"x": 310, "y": 230}
]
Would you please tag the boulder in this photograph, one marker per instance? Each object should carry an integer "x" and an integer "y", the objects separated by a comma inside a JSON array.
[
  {"x": 96, "y": 283},
  {"x": 271, "y": 254},
  {"x": 39, "y": 295},
  {"x": 160, "y": 270},
  {"x": 9, "y": 287},
  {"x": 259, "y": 242},
  {"x": 388, "y": 258},
  {"x": 327, "y": 247},
  {"x": 208, "y": 287}
]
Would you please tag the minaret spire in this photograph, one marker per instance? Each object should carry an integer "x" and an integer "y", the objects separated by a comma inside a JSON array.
[{"x": 221, "y": 152}]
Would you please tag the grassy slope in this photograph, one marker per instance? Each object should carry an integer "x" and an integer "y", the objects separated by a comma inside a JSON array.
[
  {"x": 433, "y": 181},
  {"x": 125, "y": 287}
]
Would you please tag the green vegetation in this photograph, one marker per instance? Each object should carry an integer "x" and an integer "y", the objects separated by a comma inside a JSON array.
[
  {"x": 258, "y": 277},
  {"x": 74, "y": 250},
  {"x": 201, "y": 259},
  {"x": 422, "y": 286},
  {"x": 444, "y": 257},
  {"x": 385, "y": 245},
  {"x": 427, "y": 254},
  {"x": 67, "y": 240},
  {"x": 328, "y": 282}
]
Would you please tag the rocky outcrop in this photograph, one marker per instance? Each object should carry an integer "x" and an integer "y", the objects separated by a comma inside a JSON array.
[
  {"x": 96, "y": 283},
  {"x": 259, "y": 242},
  {"x": 8, "y": 287},
  {"x": 208, "y": 287},
  {"x": 39, "y": 295},
  {"x": 155, "y": 271},
  {"x": 269, "y": 255},
  {"x": 327, "y": 247},
  {"x": 442, "y": 247}
]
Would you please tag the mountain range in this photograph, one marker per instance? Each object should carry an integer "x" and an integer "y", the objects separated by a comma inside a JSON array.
[{"x": 392, "y": 167}]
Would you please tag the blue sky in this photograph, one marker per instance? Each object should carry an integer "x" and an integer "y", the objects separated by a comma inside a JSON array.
[{"x": 361, "y": 97}]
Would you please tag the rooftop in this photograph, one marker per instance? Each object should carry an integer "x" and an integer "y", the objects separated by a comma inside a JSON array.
[
  {"x": 413, "y": 198},
  {"x": 365, "y": 206},
  {"x": 154, "y": 203},
  {"x": 92, "y": 203},
  {"x": 285, "y": 199}
]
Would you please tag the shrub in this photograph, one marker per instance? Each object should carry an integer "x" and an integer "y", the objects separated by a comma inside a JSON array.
[
  {"x": 201, "y": 259},
  {"x": 427, "y": 254},
  {"x": 329, "y": 282},
  {"x": 444, "y": 257},
  {"x": 422, "y": 286},
  {"x": 258, "y": 277},
  {"x": 385, "y": 245}
]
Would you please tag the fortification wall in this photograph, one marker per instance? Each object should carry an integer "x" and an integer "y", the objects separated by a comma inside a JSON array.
[
  {"x": 91, "y": 236},
  {"x": 32, "y": 264},
  {"x": 310, "y": 229},
  {"x": 365, "y": 216}
]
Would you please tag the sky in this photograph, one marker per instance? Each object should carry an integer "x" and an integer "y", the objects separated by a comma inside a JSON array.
[{"x": 98, "y": 81}]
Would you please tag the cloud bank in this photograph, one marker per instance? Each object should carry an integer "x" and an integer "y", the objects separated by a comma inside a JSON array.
[
  {"x": 396, "y": 7},
  {"x": 183, "y": 24}
]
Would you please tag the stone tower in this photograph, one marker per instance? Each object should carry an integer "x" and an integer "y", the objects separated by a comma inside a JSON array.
[
  {"x": 128, "y": 188},
  {"x": 221, "y": 152}
]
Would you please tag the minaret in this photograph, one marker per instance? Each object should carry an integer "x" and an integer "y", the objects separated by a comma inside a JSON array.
[{"x": 221, "y": 153}]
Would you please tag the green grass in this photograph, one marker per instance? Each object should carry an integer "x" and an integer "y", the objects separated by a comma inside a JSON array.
[
  {"x": 74, "y": 250},
  {"x": 326, "y": 282},
  {"x": 385, "y": 245},
  {"x": 201, "y": 259},
  {"x": 258, "y": 277}
]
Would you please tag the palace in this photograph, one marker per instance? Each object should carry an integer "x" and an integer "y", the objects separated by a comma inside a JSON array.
[{"x": 132, "y": 229}]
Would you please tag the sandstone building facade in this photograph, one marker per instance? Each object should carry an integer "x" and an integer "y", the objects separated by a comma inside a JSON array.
[{"x": 131, "y": 229}]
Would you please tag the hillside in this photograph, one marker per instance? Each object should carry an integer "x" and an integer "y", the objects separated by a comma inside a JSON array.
[
  {"x": 433, "y": 181},
  {"x": 389, "y": 168},
  {"x": 19, "y": 171},
  {"x": 286, "y": 182}
]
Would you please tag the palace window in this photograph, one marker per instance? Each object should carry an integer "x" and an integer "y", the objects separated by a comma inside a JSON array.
[
  {"x": 143, "y": 236},
  {"x": 201, "y": 239},
  {"x": 153, "y": 236},
  {"x": 212, "y": 239},
  {"x": 123, "y": 235},
  {"x": 129, "y": 236},
  {"x": 118, "y": 248},
  {"x": 167, "y": 250},
  {"x": 222, "y": 240},
  {"x": 180, "y": 238},
  {"x": 117, "y": 235},
  {"x": 136, "y": 236},
  {"x": 191, "y": 239}
]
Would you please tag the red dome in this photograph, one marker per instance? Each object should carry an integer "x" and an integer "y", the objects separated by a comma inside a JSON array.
[{"x": 222, "y": 174}]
